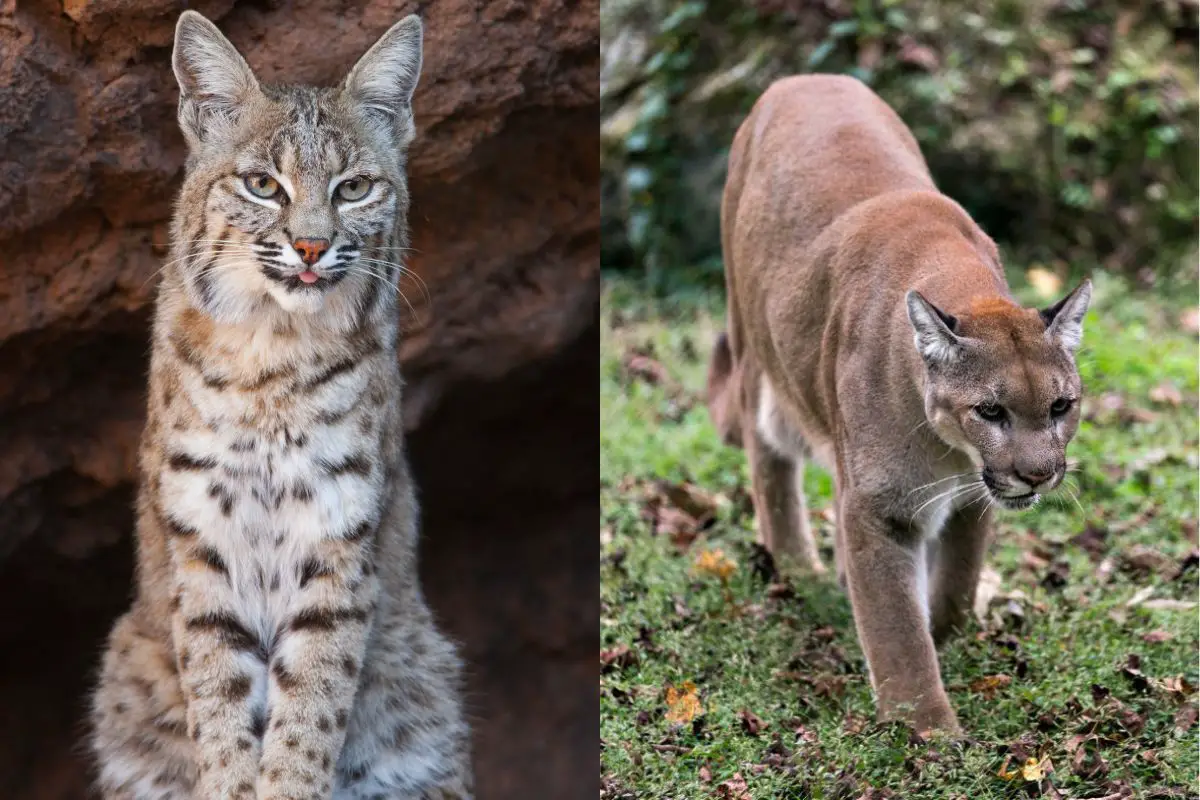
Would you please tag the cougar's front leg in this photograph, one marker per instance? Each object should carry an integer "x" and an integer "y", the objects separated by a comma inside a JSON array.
[
  {"x": 884, "y": 562},
  {"x": 779, "y": 500},
  {"x": 955, "y": 572}
]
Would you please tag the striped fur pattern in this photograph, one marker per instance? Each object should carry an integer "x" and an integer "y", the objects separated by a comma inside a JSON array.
[{"x": 279, "y": 646}]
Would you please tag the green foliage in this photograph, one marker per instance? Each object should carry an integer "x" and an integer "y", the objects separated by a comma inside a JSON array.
[{"x": 1067, "y": 128}]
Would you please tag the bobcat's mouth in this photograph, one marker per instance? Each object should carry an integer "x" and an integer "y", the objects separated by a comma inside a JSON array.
[{"x": 306, "y": 280}]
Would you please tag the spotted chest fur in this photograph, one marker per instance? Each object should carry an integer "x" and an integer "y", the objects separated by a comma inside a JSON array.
[{"x": 267, "y": 467}]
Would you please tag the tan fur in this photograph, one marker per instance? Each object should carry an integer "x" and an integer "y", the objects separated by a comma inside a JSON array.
[
  {"x": 870, "y": 327},
  {"x": 279, "y": 646}
]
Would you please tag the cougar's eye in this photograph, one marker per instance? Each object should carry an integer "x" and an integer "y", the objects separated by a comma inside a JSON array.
[
  {"x": 990, "y": 412},
  {"x": 261, "y": 185},
  {"x": 1061, "y": 406},
  {"x": 354, "y": 189}
]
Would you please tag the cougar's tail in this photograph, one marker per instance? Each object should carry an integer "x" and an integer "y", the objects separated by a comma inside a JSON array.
[{"x": 723, "y": 393}]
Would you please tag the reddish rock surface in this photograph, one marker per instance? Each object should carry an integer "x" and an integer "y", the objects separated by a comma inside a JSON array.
[{"x": 499, "y": 354}]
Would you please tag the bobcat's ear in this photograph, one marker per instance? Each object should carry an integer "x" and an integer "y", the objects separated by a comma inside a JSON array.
[
  {"x": 1064, "y": 319},
  {"x": 384, "y": 79},
  {"x": 933, "y": 331},
  {"x": 214, "y": 79}
]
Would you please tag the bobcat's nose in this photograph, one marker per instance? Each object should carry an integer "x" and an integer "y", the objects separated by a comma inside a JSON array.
[{"x": 311, "y": 250}]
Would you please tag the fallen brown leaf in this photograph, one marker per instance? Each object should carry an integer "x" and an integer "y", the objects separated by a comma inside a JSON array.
[
  {"x": 1132, "y": 721},
  {"x": 1157, "y": 637},
  {"x": 1185, "y": 717},
  {"x": 616, "y": 658},
  {"x": 1167, "y": 394},
  {"x": 705, "y": 774},
  {"x": 855, "y": 724},
  {"x": 1143, "y": 560},
  {"x": 1166, "y": 604},
  {"x": 1189, "y": 564},
  {"x": 1093, "y": 540},
  {"x": 1088, "y": 763},
  {"x": 1132, "y": 669},
  {"x": 679, "y": 526},
  {"x": 751, "y": 723},
  {"x": 734, "y": 789},
  {"x": 1178, "y": 687},
  {"x": 690, "y": 498},
  {"x": 644, "y": 368}
]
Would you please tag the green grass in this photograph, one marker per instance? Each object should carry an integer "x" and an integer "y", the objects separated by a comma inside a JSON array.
[{"x": 1061, "y": 629}]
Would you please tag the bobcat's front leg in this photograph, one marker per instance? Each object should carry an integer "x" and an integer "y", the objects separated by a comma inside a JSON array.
[
  {"x": 220, "y": 662},
  {"x": 883, "y": 562},
  {"x": 315, "y": 669}
]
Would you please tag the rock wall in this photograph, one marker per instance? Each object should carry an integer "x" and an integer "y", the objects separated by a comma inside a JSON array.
[{"x": 499, "y": 348}]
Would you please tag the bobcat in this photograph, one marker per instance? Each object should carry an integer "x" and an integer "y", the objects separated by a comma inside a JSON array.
[
  {"x": 840, "y": 256},
  {"x": 279, "y": 645}
]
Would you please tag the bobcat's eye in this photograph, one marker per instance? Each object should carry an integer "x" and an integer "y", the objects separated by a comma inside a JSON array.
[
  {"x": 354, "y": 189},
  {"x": 1061, "y": 406},
  {"x": 989, "y": 412},
  {"x": 261, "y": 185}
]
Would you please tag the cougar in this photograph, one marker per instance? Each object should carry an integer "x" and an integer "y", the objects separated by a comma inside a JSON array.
[{"x": 870, "y": 328}]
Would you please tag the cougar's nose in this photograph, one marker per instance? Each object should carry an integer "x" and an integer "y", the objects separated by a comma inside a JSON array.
[
  {"x": 311, "y": 250},
  {"x": 1035, "y": 478}
]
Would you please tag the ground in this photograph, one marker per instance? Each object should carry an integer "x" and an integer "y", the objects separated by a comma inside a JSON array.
[{"x": 721, "y": 678}]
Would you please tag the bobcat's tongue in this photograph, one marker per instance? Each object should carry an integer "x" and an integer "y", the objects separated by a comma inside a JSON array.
[{"x": 308, "y": 276}]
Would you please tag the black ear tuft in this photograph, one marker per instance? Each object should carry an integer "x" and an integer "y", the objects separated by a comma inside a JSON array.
[
  {"x": 1064, "y": 319},
  {"x": 1050, "y": 312},
  {"x": 949, "y": 320}
]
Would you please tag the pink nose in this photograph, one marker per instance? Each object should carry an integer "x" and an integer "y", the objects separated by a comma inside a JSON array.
[{"x": 311, "y": 250}]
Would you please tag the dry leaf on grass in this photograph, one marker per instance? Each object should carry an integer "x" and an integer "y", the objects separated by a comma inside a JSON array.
[
  {"x": 1185, "y": 718},
  {"x": 1166, "y": 394},
  {"x": 678, "y": 510},
  {"x": 1168, "y": 605},
  {"x": 1032, "y": 771},
  {"x": 715, "y": 563},
  {"x": 683, "y": 703},
  {"x": 616, "y": 658},
  {"x": 644, "y": 368},
  {"x": 690, "y": 498},
  {"x": 734, "y": 789},
  {"x": 989, "y": 685},
  {"x": 751, "y": 723}
]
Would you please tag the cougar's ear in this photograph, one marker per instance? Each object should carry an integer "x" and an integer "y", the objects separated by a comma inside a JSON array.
[
  {"x": 933, "y": 331},
  {"x": 214, "y": 79},
  {"x": 1064, "y": 319}
]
